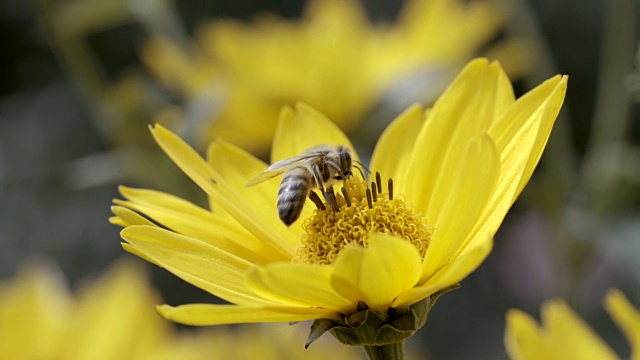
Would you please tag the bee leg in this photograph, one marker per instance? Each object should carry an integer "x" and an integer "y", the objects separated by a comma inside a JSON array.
[{"x": 316, "y": 176}]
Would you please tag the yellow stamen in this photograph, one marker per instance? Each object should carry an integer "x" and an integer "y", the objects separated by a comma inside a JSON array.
[{"x": 361, "y": 210}]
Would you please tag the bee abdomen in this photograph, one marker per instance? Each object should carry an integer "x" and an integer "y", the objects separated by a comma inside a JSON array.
[{"x": 292, "y": 195}]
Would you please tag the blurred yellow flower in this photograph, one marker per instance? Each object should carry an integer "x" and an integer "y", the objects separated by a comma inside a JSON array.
[
  {"x": 113, "y": 318},
  {"x": 239, "y": 75},
  {"x": 562, "y": 334},
  {"x": 109, "y": 319},
  {"x": 390, "y": 249}
]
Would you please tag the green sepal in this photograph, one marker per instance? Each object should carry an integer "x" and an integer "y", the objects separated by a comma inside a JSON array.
[
  {"x": 318, "y": 328},
  {"x": 369, "y": 328}
]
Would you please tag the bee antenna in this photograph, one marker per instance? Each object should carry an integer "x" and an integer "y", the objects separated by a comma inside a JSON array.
[
  {"x": 360, "y": 170},
  {"x": 362, "y": 165}
]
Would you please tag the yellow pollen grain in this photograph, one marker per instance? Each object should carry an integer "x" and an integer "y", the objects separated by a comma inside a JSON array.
[{"x": 327, "y": 232}]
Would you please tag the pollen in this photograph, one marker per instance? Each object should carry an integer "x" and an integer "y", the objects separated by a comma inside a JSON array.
[{"x": 352, "y": 213}]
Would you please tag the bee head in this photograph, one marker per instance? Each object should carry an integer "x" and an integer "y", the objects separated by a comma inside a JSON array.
[{"x": 345, "y": 163}]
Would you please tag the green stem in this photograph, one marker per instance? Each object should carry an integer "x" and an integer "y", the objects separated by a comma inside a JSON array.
[{"x": 386, "y": 352}]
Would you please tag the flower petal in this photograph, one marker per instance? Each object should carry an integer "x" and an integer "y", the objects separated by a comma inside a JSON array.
[
  {"x": 194, "y": 261},
  {"x": 450, "y": 274},
  {"x": 237, "y": 167},
  {"x": 379, "y": 273},
  {"x": 459, "y": 200},
  {"x": 626, "y": 317},
  {"x": 188, "y": 219},
  {"x": 394, "y": 147},
  {"x": 298, "y": 285},
  {"x": 213, "y": 184},
  {"x": 463, "y": 112},
  {"x": 303, "y": 128},
  {"x": 523, "y": 339},
  {"x": 205, "y": 314},
  {"x": 520, "y": 135},
  {"x": 526, "y": 125},
  {"x": 570, "y": 336},
  {"x": 126, "y": 217}
]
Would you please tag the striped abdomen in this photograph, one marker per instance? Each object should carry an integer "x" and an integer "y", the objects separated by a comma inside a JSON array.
[{"x": 293, "y": 192}]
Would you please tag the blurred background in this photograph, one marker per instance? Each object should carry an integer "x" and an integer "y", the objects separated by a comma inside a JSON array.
[{"x": 82, "y": 79}]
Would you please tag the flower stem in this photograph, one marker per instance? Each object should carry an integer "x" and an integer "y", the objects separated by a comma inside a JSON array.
[{"x": 386, "y": 352}]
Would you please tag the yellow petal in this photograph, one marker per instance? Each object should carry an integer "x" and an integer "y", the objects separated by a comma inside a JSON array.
[
  {"x": 34, "y": 313},
  {"x": 626, "y": 317},
  {"x": 382, "y": 271},
  {"x": 523, "y": 339},
  {"x": 463, "y": 112},
  {"x": 161, "y": 200},
  {"x": 570, "y": 336},
  {"x": 237, "y": 167},
  {"x": 202, "y": 174},
  {"x": 459, "y": 200},
  {"x": 526, "y": 125},
  {"x": 452, "y": 273},
  {"x": 394, "y": 147},
  {"x": 552, "y": 104},
  {"x": 133, "y": 250},
  {"x": 174, "y": 68},
  {"x": 520, "y": 134},
  {"x": 348, "y": 273},
  {"x": 461, "y": 27},
  {"x": 205, "y": 314},
  {"x": 303, "y": 128},
  {"x": 188, "y": 219},
  {"x": 126, "y": 217},
  {"x": 102, "y": 328},
  {"x": 297, "y": 285},
  {"x": 194, "y": 261}
]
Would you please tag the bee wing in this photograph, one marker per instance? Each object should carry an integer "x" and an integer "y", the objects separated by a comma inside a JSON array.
[
  {"x": 264, "y": 176},
  {"x": 278, "y": 168}
]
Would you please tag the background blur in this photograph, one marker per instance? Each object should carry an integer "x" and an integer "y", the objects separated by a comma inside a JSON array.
[{"x": 75, "y": 99}]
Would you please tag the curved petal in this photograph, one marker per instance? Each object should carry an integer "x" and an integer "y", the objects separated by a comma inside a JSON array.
[
  {"x": 520, "y": 135},
  {"x": 196, "y": 262},
  {"x": 205, "y": 314},
  {"x": 237, "y": 167},
  {"x": 459, "y": 201},
  {"x": 625, "y": 316},
  {"x": 386, "y": 268},
  {"x": 570, "y": 336},
  {"x": 552, "y": 105},
  {"x": 188, "y": 219},
  {"x": 394, "y": 147},
  {"x": 463, "y": 112},
  {"x": 298, "y": 285},
  {"x": 161, "y": 200},
  {"x": 209, "y": 180},
  {"x": 523, "y": 339},
  {"x": 452, "y": 273},
  {"x": 303, "y": 128},
  {"x": 125, "y": 217}
]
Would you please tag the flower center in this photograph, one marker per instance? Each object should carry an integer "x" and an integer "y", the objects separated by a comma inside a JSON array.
[{"x": 352, "y": 214}]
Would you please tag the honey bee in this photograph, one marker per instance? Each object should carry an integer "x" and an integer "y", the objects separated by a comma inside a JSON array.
[{"x": 318, "y": 167}]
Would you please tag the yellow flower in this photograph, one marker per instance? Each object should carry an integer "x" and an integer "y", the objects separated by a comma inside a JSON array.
[
  {"x": 109, "y": 319},
  {"x": 238, "y": 75},
  {"x": 453, "y": 172},
  {"x": 564, "y": 335}
]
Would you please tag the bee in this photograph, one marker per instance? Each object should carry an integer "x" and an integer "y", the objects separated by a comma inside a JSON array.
[{"x": 318, "y": 167}]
